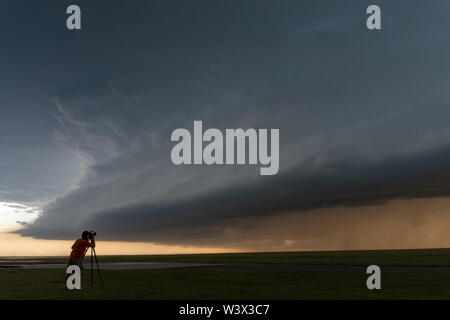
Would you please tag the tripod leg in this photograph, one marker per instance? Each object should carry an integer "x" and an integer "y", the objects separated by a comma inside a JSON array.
[
  {"x": 98, "y": 268},
  {"x": 92, "y": 269}
]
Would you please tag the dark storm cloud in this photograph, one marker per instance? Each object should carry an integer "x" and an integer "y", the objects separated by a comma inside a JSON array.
[
  {"x": 363, "y": 116},
  {"x": 23, "y": 223},
  {"x": 300, "y": 189}
]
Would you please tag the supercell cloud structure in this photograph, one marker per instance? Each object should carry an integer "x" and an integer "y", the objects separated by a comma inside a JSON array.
[{"x": 363, "y": 116}]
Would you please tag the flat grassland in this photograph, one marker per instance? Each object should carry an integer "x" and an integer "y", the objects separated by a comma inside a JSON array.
[{"x": 242, "y": 283}]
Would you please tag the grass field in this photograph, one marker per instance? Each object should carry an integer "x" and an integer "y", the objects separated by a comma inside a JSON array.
[
  {"x": 210, "y": 283},
  {"x": 215, "y": 284}
]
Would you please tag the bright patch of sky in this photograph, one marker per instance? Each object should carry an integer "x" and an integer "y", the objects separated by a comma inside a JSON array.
[{"x": 11, "y": 213}]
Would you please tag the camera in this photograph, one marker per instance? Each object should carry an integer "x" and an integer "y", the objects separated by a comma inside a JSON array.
[{"x": 91, "y": 234}]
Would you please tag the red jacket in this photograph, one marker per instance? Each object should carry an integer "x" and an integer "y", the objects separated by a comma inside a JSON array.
[{"x": 79, "y": 249}]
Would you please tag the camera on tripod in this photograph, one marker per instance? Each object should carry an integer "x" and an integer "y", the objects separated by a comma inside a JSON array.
[{"x": 92, "y": 234}]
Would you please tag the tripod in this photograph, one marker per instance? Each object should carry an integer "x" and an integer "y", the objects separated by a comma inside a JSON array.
[{"x": 94, "y": 255}]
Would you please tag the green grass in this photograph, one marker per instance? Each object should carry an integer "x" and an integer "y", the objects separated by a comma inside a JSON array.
[
  {"x": 221, "y": 284},
  {"x": 207, "y": 283},
  {"x": 426, "y": 257}
]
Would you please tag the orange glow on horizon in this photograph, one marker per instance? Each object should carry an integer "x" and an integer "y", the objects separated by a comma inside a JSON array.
[{"x": 15, "y": 245}]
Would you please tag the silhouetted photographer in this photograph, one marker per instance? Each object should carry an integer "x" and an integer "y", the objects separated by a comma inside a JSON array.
[{"x": 79, "y": 249}]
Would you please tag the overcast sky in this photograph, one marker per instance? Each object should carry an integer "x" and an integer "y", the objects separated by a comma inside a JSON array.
[{"x": 86, "y": 116}]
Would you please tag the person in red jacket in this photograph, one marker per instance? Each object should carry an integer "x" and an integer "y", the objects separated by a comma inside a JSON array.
[{"x": 79, "y": 249}]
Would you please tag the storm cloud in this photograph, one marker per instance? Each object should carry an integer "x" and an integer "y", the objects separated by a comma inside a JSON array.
[
  {"x": 363, "y": 115},
  {"x": 303, "y": 188}
]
